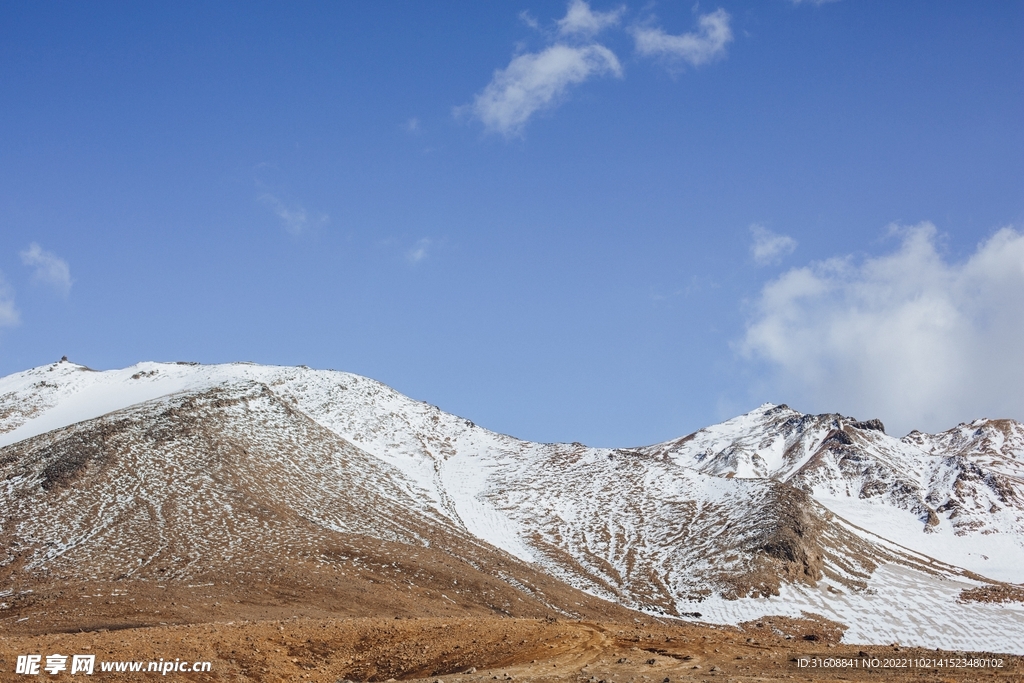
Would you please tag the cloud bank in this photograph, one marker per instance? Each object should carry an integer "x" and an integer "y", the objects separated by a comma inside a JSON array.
[
  {"x": 769, "y": 247},
  {"x": 707, "y": 44},
  {"x": 908, "y": 337},
  {"x": 48, "y": 269}
]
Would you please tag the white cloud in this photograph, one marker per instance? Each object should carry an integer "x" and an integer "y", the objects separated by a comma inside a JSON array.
[
  {"x": 581, "y": 21},
  {"x": 908, "y": 337},
  {"x": 412, "y": 125},
  {"x": 535, "y": 81},
  {"x": 538, "y": 80},
  {"x": 9, "y": 316},
  {"x": 419, "y": 250},
  {"x": 769, "y": 247},
  {"x": 696, "y": 48},
  {"x": 50, "y": 269},
  {"x": 813, "y": 2},
  {"x": 294, "y": 219}
]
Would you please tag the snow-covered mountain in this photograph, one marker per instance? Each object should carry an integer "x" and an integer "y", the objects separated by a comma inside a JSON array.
[
  {"x": 957, "y": 496},
  {"x": 773, "y": 512}
]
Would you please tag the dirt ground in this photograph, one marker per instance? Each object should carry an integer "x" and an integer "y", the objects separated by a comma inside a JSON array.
[{"x": 488, "y": 649}]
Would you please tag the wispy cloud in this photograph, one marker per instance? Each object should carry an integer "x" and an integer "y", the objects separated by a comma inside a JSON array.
[
  {"x": 295, "y": 219},
  {"x": 412, "y": 125},
  {"x": 909, "y": 337},
  {"x": 582, "y": 22},
  {"x": 812, "y": 2},
  {"x": 419, "y": 250},
  {"x": 535, "y": 81},
  {"x": 704, "y": 45},
  {"x": 769, "y": 247},
  {"x": 9, "y": 316},
  {"x": 529, "y": 19},
  {"x": 48, "y": 269},
  {"x": 539, "y": 80}
]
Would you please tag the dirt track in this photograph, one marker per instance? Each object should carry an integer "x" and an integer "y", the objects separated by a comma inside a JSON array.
[{"x": 330, "y": 650}]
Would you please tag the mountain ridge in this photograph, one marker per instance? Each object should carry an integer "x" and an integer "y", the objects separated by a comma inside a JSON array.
[{"x": 734, "y": 521}]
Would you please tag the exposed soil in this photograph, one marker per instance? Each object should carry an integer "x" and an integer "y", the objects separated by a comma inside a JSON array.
[{"x": 485, "y": 649}]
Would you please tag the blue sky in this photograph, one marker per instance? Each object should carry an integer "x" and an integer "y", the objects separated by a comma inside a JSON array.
[{"x": 609, "y": 223}]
